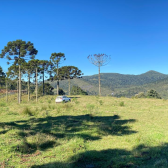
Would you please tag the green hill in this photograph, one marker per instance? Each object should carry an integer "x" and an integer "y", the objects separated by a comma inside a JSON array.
[
  {"x": 161, "y": 86},
  {"x": 120, "y": 84},
  {"x": 90, "y": 88},
  {"x": 115, "y": 80}
]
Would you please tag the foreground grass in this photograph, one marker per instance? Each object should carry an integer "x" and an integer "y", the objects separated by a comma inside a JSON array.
[{"x": 88, "y": 132}]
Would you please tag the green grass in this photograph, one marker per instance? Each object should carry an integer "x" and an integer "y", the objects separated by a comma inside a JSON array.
[{"x": 89, "y": 131}]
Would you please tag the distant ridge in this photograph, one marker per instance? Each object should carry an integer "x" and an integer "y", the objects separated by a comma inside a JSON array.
[
  {"x": 116, "y": 80},
  {"x": 120, "y": 84}
]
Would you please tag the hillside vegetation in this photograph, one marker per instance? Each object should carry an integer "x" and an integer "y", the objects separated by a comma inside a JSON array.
[
  {"x": 121, "y": 85},
  {"x": 160, "y": 86},
  {"x": 115, "y": 80},
  {"x": 89, "y": 131}
]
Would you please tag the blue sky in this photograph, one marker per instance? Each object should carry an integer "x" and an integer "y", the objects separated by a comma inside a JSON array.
[{"x": 133, "y": 32}]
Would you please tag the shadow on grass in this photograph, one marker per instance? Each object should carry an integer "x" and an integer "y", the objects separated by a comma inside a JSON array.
[
  {"x": 3, "y": 132},
  {"x": 74, "y": 97},
  {"x": 82, "y": 126},
  {"x": 140, "y": 157}
]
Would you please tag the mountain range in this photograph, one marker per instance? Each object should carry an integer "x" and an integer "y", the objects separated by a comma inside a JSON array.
[{"x": 120, "y": 84}]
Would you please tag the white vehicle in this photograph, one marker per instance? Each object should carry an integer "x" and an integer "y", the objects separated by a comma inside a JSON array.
[{"x": 60, "y": 99}]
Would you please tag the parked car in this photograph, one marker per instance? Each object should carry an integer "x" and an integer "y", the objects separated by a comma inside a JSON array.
[{"x": 60, "y": 99}]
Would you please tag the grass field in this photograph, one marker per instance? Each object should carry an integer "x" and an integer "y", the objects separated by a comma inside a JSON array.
[{"x": 88, "y": 132}]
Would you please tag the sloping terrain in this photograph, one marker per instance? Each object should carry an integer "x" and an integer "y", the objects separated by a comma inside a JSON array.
[
  {"x": 120, "y": 84},
  {"x": 161, "y": 86},
  {"x": 90, "y": 88},
  {"x": 115, "y": 80}
]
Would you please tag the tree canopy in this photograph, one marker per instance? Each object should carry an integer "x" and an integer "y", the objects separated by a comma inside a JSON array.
[
  {"x": 153, "y": 94},
  {"x": 70, "y": 72},
  {"x": 76, "y": 90},
  {"x": 99, "y": 60},
  {"x": 56, "y": 59},
  {"x": 18, "y": 51},
  {"x": 48, "y": 89},
  {"x": 2, "y": 77}
]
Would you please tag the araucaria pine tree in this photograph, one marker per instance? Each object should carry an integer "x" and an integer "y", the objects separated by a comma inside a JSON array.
[
  {"x": 18, "y": 51},
  {"x": 56, "y": 59},
  {"x": 99, "y": 60},
  {"x": 69, "y": 72}
]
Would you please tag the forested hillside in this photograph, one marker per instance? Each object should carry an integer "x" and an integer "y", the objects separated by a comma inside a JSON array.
[
  {"x": 115, "y": 80},
  {"x": 121, "y": 85},
  {"x": 91, "y": 89},
  {"x": 161, "y": 86}
]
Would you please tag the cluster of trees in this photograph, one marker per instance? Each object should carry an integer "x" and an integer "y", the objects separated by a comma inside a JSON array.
[
  {"x": 48, "y": 90},
  {"x": 150, "y": 94},
  {"x": 76, "y": 90},
  {"x": 24, "y": 65}
]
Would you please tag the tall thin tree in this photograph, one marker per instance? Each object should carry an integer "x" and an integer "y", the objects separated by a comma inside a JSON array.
[
  {"x": 29, "y": 70},
  {"x": 43, "y": 64},
  {"x": 56, "y": 59},
  {"x": 99, "y": 60},
  {"x": 13, "y": 73},
  {"x": 17, "y": 51},
  {"x": 6, "y": 89},
  {"x": 34, "y": 66}
]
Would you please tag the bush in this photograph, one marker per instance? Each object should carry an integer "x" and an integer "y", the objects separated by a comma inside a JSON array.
[
  {"x": 76, "y": 90},
  {"x": 27, "y": 111},
  {"x": 2, "y": 104},
  {"x": 61, "y": 92},
  {"x": 153, "y": 94},
  {"x": 121, "y": 103}
]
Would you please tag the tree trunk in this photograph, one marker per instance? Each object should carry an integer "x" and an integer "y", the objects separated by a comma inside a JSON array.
[
  {"x": 28, "y": 87},
  {"x": 69, "y": 86},
  {"x": 57, "y": 82},
  {"x": 36, "y": 85},
  {"x": 18, "y": 89},
  {"x": 19, "y": 85},
  {"x": 6, "y": 91},
  {"x": 43, "y": 82},
  {"x": 57, "y": 87},
  {"x": 99, "y": 83}
]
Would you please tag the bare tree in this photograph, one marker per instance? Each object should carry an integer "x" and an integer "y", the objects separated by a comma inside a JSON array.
[{"x": 99, "y": 60}]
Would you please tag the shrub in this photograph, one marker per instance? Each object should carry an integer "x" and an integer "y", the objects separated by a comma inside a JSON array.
[
  {"x": 153, "y": 94},
  {"x": 101, "y": 102},
  {"x": 27, "y": 111},
  {"x": 61, "y": 91},
  {"x": 2, "y": 104},
  {"x": 76, "y": 90},
  {"x": 121, "y": 103}
]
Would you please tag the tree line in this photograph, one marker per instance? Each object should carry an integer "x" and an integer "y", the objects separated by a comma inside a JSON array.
[{"x": 21, "y": 55}]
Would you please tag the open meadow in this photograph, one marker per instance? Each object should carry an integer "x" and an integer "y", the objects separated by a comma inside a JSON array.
[{"x": 88, "y": 132}]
